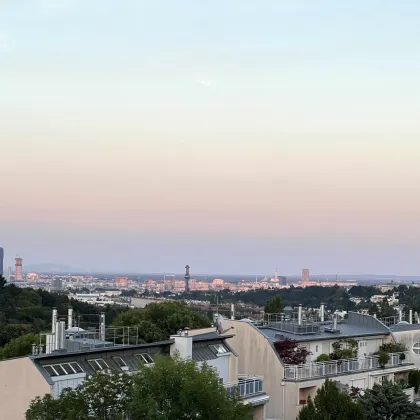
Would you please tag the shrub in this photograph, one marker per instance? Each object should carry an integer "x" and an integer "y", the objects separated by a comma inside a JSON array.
[
  {"x": 323, "y": 358},
  {"x": 383, "y": 359}
]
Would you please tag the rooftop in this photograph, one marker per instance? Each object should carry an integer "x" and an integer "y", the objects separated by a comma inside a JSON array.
[{"x": 355, "y": 326}]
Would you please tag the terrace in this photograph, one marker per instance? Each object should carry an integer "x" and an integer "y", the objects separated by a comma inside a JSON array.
[{"x": 315, "y": 370}]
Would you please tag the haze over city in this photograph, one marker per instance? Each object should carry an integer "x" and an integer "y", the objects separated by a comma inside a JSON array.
[{"x": 235, "y": 136}]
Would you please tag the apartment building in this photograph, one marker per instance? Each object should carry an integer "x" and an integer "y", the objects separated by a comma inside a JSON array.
[
  {"x": 289, "y": 385},
  {"x": 72, "y": 354}
]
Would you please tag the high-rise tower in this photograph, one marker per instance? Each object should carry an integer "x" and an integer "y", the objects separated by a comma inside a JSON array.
[
  {"x": 18, "y": 269},
  {"x": 187, "y": 278},
  {"x": 305, "y": 276}
]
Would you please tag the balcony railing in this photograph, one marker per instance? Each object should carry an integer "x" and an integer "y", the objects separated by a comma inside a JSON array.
[
  {"x": 342, "y": 367},
  {"x": 246, "y": 387}
]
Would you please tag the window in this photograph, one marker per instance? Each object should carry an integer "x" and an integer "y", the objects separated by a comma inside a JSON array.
[
  {"x": 98, "y": 364},
  {"x": 362, "y": 343},
  {"x": 416, "y": 348},
  {"x": 219, "y": 348},
  {"x": 144, "y": 358},
  {"x": 316, "y": 349},
  {"x": 120, "y": 362},
  {"x": 63, "y": 369}
]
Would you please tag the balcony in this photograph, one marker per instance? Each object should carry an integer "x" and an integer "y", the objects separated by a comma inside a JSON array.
[
  {"x": 315, "y": 370},
  {"x": 246, "y": 387}
]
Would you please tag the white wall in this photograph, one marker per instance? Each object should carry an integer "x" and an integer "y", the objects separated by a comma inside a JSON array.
[{"x": 221, "y": 363}]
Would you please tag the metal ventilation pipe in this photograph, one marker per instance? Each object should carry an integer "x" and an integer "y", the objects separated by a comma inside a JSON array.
[
  {"x": 102, "y": 326},
  {"x": 54, "y": 320},
  {"x": 300, "y": 315},
  {"x": 60, "y": 329},
  {"x": 70, "y": 318},
  {"x": 335, "y": 322},
  {"x": 232, "y": 311},
  {"x": 322, "y": 314},
  {"x": 410, "y": 316},
  {"x": 400, "y": 315}
]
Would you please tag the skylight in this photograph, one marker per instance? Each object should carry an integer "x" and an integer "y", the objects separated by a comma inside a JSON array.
[
  {"x": 63, "y": 369},
  {"x": 98, "y": 364},
  {"x": 219, "y": 348},
  {"x": 145, "y": 358}
]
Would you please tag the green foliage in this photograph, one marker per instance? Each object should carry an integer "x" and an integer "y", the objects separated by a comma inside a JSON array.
[
  {"x": 274, "y": 305},
  {"x": 383, "y": 359},
  {"x": 157, "y": 321},
  {"x": 171, "y": 389},
  {"x": 398, "y": 347},
  {"x": 331, "y": 403},
  {"x": 388, "y": 401},
  {"x": 414, "y": 380},
  {"x": 364, "y": 291},
  {"x": 311, "y": 297},
  {"x": 323, "y": 358},
  {"x": 344, "y": 349},
  {"x": 20, "y": 346},
  {"x": 28, "y": 311}
]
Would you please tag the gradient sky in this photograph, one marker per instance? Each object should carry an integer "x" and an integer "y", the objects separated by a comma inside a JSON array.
[{"x": 235, "y": 135}]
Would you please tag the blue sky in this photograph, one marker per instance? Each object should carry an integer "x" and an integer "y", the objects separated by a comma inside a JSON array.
[{"x": 238, "y": 136}]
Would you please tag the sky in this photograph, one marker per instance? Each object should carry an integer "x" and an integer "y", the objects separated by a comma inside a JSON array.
[{"x": 236, "y": 136}]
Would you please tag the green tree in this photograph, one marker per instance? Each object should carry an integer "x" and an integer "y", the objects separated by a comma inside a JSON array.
[
  {"x": 330, "y": 403},
  {"x": 274, "y": 305},
  {"x": 175, "y": 389},
  {"x": 171, "y": 389},
  {"x": 388, "y": 402},
  {"x": 160, "y": 320},
  {"x": 20, "y": 346}
]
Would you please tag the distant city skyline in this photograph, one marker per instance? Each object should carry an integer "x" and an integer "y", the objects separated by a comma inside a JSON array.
[{"x": 232, "y": 135}]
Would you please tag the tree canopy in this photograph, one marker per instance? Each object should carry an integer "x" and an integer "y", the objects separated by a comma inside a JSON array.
[
  {"x": 28, "y": 311},
  {"x": 388, "y": 402},
  {"x": 157, "y": 321},
  {"x": 274, "y": 305},
  {"x": 171, "y": 389},
  {"x": 330, "y": 403}
]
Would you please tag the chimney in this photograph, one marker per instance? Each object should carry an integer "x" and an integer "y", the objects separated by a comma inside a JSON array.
[
  {"x": 374, "y": 315},
  {"x": 322, "y": 314},
  {"x": 400, "y": 315},
  {"x": 335, "y": 322},
  {"x": 54, "y": 320},
  {"x": 60, "y": 330},
  {"x": 232, "y": 311},
  {"x": 410, "y": 316},
  {"x": 70, "y": 318},
  {"x": 102, "y": 326},
  {"x": 300, "y": 314}
]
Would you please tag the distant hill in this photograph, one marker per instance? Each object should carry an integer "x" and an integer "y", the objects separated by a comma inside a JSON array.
[{"x": 50, "y": 268}]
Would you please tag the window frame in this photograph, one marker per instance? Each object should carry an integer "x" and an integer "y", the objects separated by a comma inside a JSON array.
[
  {"x": 215, "y": 347},
  {"x": 416, "y": 348},
  {"x": 101, "y": 369},
  {"x": 55, "y": 368},
  {"x": 143, "y": 358}
]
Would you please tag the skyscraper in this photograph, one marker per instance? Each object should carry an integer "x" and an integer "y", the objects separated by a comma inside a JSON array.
[
  {"x": 18, "y": 269},
  {"x": 305, "y": 276},
  {"x": 1, "y": 260}
]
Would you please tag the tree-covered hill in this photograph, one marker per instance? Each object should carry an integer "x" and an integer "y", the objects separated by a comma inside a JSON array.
[{"x": 28, "y": 311}]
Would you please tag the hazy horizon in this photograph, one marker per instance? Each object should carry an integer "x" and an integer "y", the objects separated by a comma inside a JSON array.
[{"x": 233, "y": 136}]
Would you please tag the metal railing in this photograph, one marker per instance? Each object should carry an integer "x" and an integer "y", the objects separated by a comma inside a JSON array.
[
  {"x": 342, "y": 367},
  {"x": 246, "y": 387}
]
